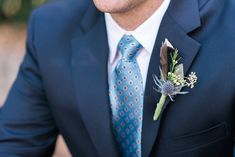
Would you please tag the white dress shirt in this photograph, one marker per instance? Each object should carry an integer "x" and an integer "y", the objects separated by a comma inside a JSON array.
[{"x": 145, "y": 34}]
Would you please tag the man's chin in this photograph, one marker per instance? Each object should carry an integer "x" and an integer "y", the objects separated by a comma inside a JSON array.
[{"x": 113, "y": 7}]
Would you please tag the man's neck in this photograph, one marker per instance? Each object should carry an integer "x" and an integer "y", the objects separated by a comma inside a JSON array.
[{"x": 130, "y": 20}]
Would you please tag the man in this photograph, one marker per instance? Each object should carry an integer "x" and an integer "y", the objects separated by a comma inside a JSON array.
[{"x": 71, "y": 80}]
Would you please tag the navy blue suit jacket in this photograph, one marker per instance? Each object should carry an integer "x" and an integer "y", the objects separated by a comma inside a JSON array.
[{"x": 62, "y": 85}]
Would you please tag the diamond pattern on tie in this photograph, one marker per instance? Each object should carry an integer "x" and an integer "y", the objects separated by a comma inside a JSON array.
[{"x": 126, "y": 97}]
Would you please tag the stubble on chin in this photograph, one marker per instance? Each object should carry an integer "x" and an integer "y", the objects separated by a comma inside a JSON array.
[{"x": 114, "y": 6}]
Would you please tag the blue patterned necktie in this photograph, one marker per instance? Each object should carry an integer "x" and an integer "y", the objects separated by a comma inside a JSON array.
[{"x": 126, "y": 97}]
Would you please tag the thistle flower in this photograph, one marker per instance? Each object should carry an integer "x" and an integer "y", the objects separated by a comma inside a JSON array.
[{"x": 168, "y": 88}]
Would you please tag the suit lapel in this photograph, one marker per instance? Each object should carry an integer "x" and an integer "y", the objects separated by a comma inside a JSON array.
[
  {"x": 181, "y": 18},
  {"x": 89, "y": 70}
]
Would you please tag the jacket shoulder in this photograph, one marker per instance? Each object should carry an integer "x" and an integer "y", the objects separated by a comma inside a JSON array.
[{"x": 61, "y": 10}]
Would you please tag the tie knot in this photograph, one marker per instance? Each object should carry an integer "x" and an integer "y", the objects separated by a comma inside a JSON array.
[{"x": 129, "y": 47}]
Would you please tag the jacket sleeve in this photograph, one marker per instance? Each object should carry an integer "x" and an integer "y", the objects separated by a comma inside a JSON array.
[{"x": 27, "y": 128}]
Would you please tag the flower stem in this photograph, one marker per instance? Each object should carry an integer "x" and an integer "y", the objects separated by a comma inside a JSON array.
[{"x": 159, "y": 107}]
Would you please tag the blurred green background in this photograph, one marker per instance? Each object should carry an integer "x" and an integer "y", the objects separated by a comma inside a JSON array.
[
  {"x": 17, "y": 10},
  {"x": 13, "y": 31}
]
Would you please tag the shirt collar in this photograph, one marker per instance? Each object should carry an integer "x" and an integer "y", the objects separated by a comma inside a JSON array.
[
  {"x": 145, "y": 34},
  {"x": 115, "y": 33}
]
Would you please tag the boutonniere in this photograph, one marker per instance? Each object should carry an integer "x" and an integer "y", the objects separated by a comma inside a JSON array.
[{"x": 172, "y": 78}]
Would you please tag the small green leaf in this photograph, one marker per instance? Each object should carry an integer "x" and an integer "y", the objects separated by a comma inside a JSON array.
[{"x": 179, "y": 70}]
